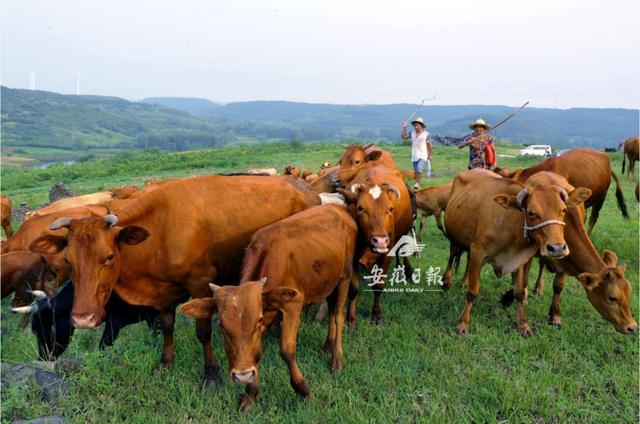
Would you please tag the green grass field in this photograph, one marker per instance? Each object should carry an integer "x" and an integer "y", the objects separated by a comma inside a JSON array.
[{"x": 412, "y": 368}]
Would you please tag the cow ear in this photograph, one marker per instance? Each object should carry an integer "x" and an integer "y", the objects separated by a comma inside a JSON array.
[
  {"x": 589, "y": 281},
  {"x": 375, "y": 155},
  {"x": 132, "y": 235},
  {"x": 349, "y": 196},
  {"x": 609, "y": 258},
  {"x": 48, "y": 244},
  {"x": 578, "y": 196},
  {"x": 203, "y": 307},
  {"x": 507, "y": 201},
  {"x": 276, "y": 299}
]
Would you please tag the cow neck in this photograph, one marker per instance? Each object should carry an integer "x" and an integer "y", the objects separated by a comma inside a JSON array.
[{"x": 583, "y": 254}]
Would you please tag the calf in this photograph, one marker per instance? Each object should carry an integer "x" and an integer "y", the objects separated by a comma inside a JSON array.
[
  {"x": 432, "y": 201},
  {"x": 302, "y": 259},
  {"x": 51, "y": 321},
  {"x": 504, "y": 223},
  {"x": 72, "y": 202}
]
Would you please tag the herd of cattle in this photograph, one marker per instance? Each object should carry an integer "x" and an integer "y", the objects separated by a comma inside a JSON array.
[{"x": 256, "y": 249}]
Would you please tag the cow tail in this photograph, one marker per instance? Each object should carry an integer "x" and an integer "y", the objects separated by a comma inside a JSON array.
[
  {"x": 414, "y": 204},
  {"x": 620, "y": 197},
  {"x": 624, "y": 159}
]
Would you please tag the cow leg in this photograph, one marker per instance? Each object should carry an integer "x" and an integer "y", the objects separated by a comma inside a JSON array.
[
  {"x": 288, "y": 336},
  {"x": 251, "y": 394},
  {"x": 439, "y": 221},
  {"x": 354, "y": 289},
  {"x": 168, "y": 319},
  {"x": 453, "y": 251},
  {"x": 595, "y": 212},
  {"x": 338, "y": 318},
  {"x": 331, "y": 325},
  {"x": 408, "y": 269},
  {"x": 8, "y": 230},
  {"x": 519, "y": 293},
  {"x": 473, "y": 288},
  {"x": 111, "y": 330},
  {"x": 422, "y": 220},
  {"x": 554, "y": 311},
  {"x": 376, "y": 311},
  {"x": 211, "y": 366},
  {"x": 465, "y": 277},
  {"x": 540, "y": 280}
]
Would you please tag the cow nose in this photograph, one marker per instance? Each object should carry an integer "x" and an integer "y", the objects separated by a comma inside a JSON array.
[
  {"x": 380, "y": 242},
  {"x": 557, "y": 249},
  {"x": 632, "y": 329},
  {"x": 243, "y": 377},
  {"x": 84, "y": 320}
]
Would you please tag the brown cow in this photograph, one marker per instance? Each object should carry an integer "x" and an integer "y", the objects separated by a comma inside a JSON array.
[
  {"x": 603, "y": 280},
  {"x": 298, "y": 271},
  {"x": 432, "y": 201},
  {"x": 5, "y": 215},
  {"x": 72, "y": 202},
  {"x": 123, "y": 192},
  {"x": 504, "y": 223},
  {"x": 263, "y": 171},
  {"x": 23, "y": 271},
  {"x": 572, "y": 166},
  {"x": 383, "y": 212},
  {"x": 292, "y": 170},
  {"x": 630, "y": 149},
  {"x": 157, "y": 251}
]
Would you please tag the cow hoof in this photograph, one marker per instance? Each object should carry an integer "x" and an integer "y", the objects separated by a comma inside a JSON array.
[
  {"x": 376, "y": 320},
  {"x": 557, "y": 324},
  {"x": 327, "y": 348},
  {"x": 525, "y": 331},
  {"x": 211, "y": 382},
  {"x": 462, "y": 330},
  {"x": 336, "y": 365},
  {"x": 538, "y": 292},
  {"x": 246, "y": 402},
  {"x": 352, "y": 326},
  {"x": 303, "y": 390}
]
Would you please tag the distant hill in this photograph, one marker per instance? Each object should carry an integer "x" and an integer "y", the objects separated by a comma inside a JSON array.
[
  {"x": 194, "y": 106},
  {"x": 45, "y": 119},
  {"x": 598, "y": 128}
]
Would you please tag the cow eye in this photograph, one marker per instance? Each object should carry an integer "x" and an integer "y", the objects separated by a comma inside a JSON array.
[
  {"x": 360, "y": 209},
  {"x": 612, "y": 299},
  {"x": 356, "y": 162},
  {"x": 391, "y": 209},
  {"x": 532, "y": 214},
  {"x": 110, "y": 257},
  {"x": 260, "y": 319}
]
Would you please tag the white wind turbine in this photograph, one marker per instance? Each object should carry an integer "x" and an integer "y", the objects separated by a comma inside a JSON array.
[
  {"x": 78, "y": 78},
  {"x": 32, "y": 79}
]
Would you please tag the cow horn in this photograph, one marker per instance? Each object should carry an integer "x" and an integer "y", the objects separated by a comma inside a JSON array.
[
  {"x": 521, "y": 197},
  {"x": 395, "y": 190},
  {"x": 366, "y": 146},
  {"x": 213, "y": 287},
  {"x": 263, "y": 280},
  {"x": 564, "y": 195},
  {"x": 38, "y": 293},
  {"x": 60, "y": 223},
  {"x": 355, "y": 188},
  {"x": 23, "y": 309},
  {"x": 110, "y": 219}
]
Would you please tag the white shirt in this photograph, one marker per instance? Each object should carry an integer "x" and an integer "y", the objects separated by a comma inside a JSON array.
[{"x": 419, "y": 145}]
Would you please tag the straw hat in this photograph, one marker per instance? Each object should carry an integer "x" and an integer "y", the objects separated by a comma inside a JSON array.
[
  {"x": 420, "y": 121},
  {"x": 479, "y": 123}
]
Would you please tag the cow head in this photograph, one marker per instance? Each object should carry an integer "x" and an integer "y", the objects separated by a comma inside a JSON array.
[
  {"x": 244, "y": 313},
  {"x": 92, "y": 249},
  {"x": 375, "y": 205},
  {"x": 544, "y": 208},
  {"x": 356, "y": 156},
  {"x": 292, "y": 170},
  {"x": 609, "y": 292}
]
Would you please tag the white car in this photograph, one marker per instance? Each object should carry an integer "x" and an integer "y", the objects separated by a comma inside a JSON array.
[{"x": 536, "y": 150}]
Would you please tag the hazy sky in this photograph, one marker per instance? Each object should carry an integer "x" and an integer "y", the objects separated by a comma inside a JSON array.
[{"x": 554, "y": 53}]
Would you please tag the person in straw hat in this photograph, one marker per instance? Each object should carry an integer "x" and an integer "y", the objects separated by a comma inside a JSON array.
[
  {"x": 420, "y": 148},
  {"x": 477, "y": 143}
]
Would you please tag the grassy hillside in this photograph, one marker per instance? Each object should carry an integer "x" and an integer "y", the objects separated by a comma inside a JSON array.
[
  {"x": 412, "y": 368},
  {"x": 51, "y": 120}
]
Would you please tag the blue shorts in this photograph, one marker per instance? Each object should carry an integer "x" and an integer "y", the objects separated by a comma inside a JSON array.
[{"x": 418, "y": 166}]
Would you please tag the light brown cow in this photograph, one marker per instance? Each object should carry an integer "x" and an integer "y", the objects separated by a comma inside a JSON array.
[
  {"x": 157, "y": 251},
  {"x": 72, "y": 202},
  {"x": 432, "y": 201},
  {"x": 123, "y": 192},
  {"x": 630, "y": 149},
  {"x": 383, "y": 212},
  {"x": 504, "y": 223},
  {"x": 298, "y": 271},
  {"x": 603, "y": 280},
  {"x": 5, "y": 215},
  {"x": 572, "y": 166},
  {"x": 263, "y": 171},
  {"x": 292, "y": 170}
]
